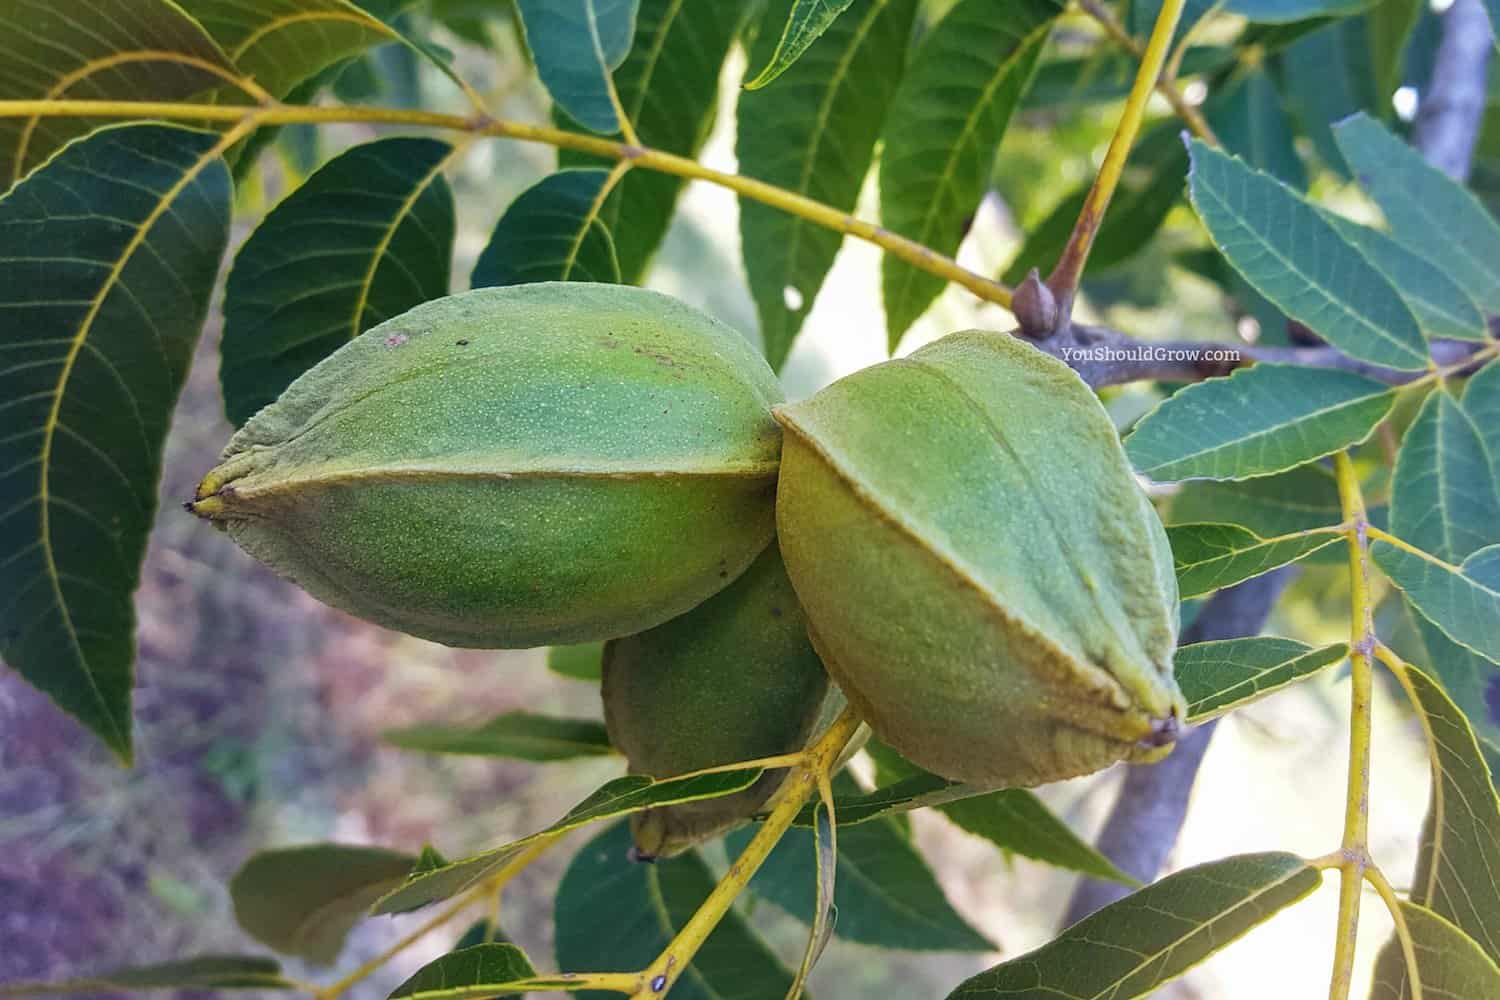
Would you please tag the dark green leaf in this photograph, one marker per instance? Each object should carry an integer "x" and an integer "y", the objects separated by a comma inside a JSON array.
[
  {"x": 577, "y": 45},
  {"x": 1217, "y": 677},
  {"x": 914, "y": 792},
  {"x": 669, "y": 88},
  {"x": 1449, "y": 962},
  {"x": 1427, "y": 210},
  {"x": 303, "y": 901},
  {"x": 1389, "y": 25},
  {"x": 552, "y": 232},
  {"x": 1153, "y": 935},
  {"x": 1444, "y": 498},
  {"x": 884, "y": 891},
  {"x": 619, "y": 797},
  {"x": 1018, "y": 822},
  {"x": 805, "y": 24},
  {"x": 1286, "y": 11},
  {"x": 1328, "y": 76},
  {"x": 1463, "y": 601},
  {"x": 520, "y": 735},
  {"x": 109, "y": 50},
  {"x": 613, "y": 914},
  {"x": 813, "y": 133},
  {"x": 1284, "y": 247},
  {"x": 479, "y": 965},
  {"x": 366, "y": 238},
  {"x": 1260, "y": 420},
  {"x": 111, "y": 250},
  {"x": 583, "y": 662},
  {"x": 1441, "y": 307},
  {"x": 280, "y": 43},
  {"x": 944, "y": 128},
  {"x": 1146, "y": 195},
  {"x": 1210, "y": 556}
]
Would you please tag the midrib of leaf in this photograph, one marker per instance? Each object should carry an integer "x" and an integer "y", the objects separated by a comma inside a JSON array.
[
  {"x": 606, "y": 70},
  {"x": 825, "y": 109},
  {"x": 377, "y": 256},
  {"x": 1273, "y": 429},
  {"x": 54, "y": 414},
  {"x": 67, "y": 81},
  {"x": 592, "y": 218},
  {"x": 658, "y": 45},
  {"x": 1337, "y": 302},
  {"x": 945, "y": 177},
  {"x": 272, "y": 26},
  {"x": 1147, "y": 959}
]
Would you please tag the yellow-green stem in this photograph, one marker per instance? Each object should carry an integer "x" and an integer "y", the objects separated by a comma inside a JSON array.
[
  {"x": 1355, "y": 844},
  {"x": 1063, "y": 282},
  {"x": 916, "y": 254},
  {"x": 801, "y": 784},
  {"x": 1382, "y": 887}
]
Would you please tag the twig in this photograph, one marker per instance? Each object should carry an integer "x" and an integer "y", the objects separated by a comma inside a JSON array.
[
  {"x": 1167, "y": 87},
  {"x": 1451, "y": 111},
  {"x": 1063, "y": 281},
  {"x": 916, "y": 254},
  {"x": 1143, "y": 825}
]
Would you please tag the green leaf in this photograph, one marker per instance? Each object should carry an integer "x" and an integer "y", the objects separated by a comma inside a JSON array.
[
  {"x": 1456, "y": 876},
  {"x": 613, "y": 914},
  {"x": 1014, "y": 820},
  {"x": 1327, "y": 76},
  {"x": 825, "y": 913},
  {"x": 1444, "y": 498},
  {"x": 480, "y": 965},
  {"x": 1145, "y": 197},
  {"x": 1427, "y": 210},
  {"x": 669, "y": 88},
  {"x": 1449, "y": 962},
  {"x": 1463, "y": 601},
  {"x": 1018, "y": 822},
  {"x": 366, "y": 238},
  {"x": 552, "y": 232},
  {"x": 1289, "y": 253},
  {"x": 111, "y": 251},
  {"x": 1298, "y": 500},
  {"x": 1470, "y": 680},
  {"x": 1153, "y": 935},
  {"x": 1210, "y": 556},
  {"x": 1441, "y": 307},
  {"x": 619, "y": 797},
  {"x": 280, "y": 43},
  {"x": 1252, "y": 124},
  {"x": 1481, "y": 401},
  {"x": 519, "y": 735},
  {"x": 204, "y": 972},
  {"x": 303, "y": 901},
  {"x": 915, "y": 792},
  {"x": 805, "y": 24},
  {"x": 1218, "y": 677},
  {"x": 110, "y": 50},
  {"x": 577, "y": 45},
  {"x": 583, "y": 662},
  {"x": 1287, "y": 11},
  {"x": 884, "y": 892},
  {"x": 1260, "y": 420},
  {"x": 945, "y": 126},
  {"x": 1389, "y": 25},
  {"x": 814, "y": 134}
]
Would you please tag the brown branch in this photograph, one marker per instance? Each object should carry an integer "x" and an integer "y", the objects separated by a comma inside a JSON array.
[
  {"x": 1103, "y": 357},
  {"x": 1452, "y": 109}
]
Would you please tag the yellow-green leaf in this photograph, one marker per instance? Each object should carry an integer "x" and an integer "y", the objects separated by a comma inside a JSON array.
[
  {"x": 1210, "y": 556},
  {"x": 1217, "y": 677}
]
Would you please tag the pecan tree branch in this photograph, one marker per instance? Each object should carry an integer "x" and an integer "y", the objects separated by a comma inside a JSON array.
[{"x": 1452, "y": 109}]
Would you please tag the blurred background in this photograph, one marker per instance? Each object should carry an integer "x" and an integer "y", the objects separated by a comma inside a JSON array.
[{"x": 260, "y": 711}]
